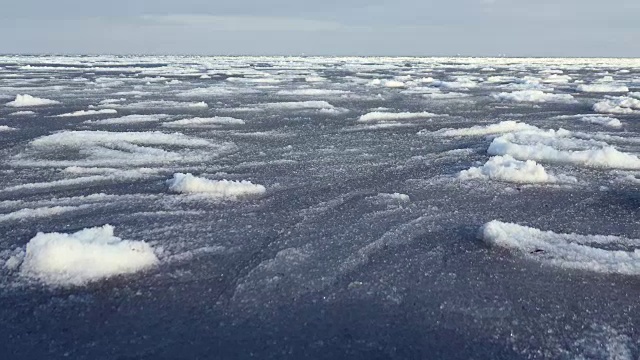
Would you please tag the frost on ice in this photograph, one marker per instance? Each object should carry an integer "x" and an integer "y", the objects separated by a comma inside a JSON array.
[
  {"x": 28, "y": 101},
  {"x": 85, "y": 256},
  {"x": 119, "y": 149},
  {"x": 584, "y": 252},
  {"x": 219, "y": 189}
]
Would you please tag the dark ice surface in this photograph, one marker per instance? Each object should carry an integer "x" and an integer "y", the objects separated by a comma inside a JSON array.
[{"x": 322, "y": 266}]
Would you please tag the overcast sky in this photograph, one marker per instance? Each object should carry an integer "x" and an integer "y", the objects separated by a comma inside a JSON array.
[{"x": 323, "y": 27}]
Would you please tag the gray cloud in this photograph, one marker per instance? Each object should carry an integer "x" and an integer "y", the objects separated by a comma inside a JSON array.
[{"x": 332, "y": 27}]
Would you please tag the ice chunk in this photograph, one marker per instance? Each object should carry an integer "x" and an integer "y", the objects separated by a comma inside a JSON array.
[
  {"x": 22, "y": 113},
  {"x": 6, "y": 128},
  {"x": 199, "y": 122},
  {"x": 28, "y": 100},
  {"x": 603, "y": 88},
  {"x": 129, "y": 119},
  {"x": 620, "y": 105},
  {"x": 560, "y": 147},
  {"x": 602, "y": 120},
  {"x": 89, "y": 113},
  {"x": 506, "y": 168},
  {"x": 584, "y": 252},
  {"x": 85, "y": 256},
  {"x": 535, "y": 96},
  {"x": 385, "y": 116},
  {"x": 219, "y": 189},
  {"x": 480, "y": 130}
]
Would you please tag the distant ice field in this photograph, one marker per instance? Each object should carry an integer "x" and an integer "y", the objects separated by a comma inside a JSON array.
[{"x": 318, "y": 207}]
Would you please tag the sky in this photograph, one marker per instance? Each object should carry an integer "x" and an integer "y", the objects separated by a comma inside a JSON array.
[{"x": 575, "y": 28}]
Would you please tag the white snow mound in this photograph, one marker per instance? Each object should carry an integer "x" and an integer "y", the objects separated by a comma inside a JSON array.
[
  {"x": 506, "y": 168},
  {"x": 220, "y": 189},
  {"x": 85, "y": 256},
  {"x": 28, "y": 100},
  {"x": 572, "y": 251}
]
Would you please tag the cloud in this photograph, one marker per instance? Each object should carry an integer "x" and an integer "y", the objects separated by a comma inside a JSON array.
[{"x": 243, "y": 23}]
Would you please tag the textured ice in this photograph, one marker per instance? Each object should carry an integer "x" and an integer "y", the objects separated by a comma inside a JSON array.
[
  {"x": 85, "y": 256},
  {"x": 218, "y": 189},
  {"x": 573, "y": 251},
  {"x": 365, "y": 240},
  {"x": 29, "y": 101},
  {"x": 104, "y": 148}
]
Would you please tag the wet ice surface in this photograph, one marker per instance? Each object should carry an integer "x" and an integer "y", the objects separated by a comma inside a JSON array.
[{"x": 364, "y": 239}]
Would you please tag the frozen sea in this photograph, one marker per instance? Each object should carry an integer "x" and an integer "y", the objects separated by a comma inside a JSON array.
[{"x": 319, "y": 208}]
